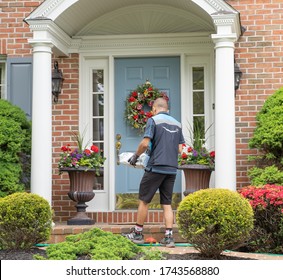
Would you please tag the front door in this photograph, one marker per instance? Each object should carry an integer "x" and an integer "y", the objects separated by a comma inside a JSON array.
[{"x": 164, "y": 74}]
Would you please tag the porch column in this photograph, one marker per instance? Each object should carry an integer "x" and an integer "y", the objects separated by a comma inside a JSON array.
[
  {"x": 41, "y": 157},
  {"x": 225, "y": 142}
]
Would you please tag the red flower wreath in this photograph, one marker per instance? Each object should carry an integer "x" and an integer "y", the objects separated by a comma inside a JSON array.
[{"x": 139, "y": 104}]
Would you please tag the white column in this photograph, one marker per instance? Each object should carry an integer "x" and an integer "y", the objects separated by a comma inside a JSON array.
[
  {"x": 225, "y": 142},
  {"x": 41, "y": 157}
]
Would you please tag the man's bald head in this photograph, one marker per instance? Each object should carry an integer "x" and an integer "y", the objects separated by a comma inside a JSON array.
[{"x": 160, "y": 105}]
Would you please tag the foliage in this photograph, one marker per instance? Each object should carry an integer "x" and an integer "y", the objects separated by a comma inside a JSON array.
[
  {"x": 268, "y": 175},
  {"x": 15, "y": 149},
  {"x": 25, "y": 219},
  {"x": 213, "y": 220},
  {"x": 90, "y": 158},
  {"x": 139, "y": 104},
  {"x": 268, "y": 135},
  {"x": 96, "y": 244},
  {"x": 196, "y": 152},
  {"x": 190, "y": 155},
  {"x": 267, "y": 203}
]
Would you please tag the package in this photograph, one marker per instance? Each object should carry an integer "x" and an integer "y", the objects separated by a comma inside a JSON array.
[{"x": 141, "y": 163}]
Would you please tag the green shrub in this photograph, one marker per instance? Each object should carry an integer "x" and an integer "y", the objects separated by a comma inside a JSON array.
[
  {"x": 15, "y": 146},
  {"x": 25, "y": 219},
  {"x": 267, "y": 203},
  {"x": 267, "y": 175},
  {"x": 94, "y": 244},
  {"x": 213, "y": 220},
  {"x": 268, "y": 135}
]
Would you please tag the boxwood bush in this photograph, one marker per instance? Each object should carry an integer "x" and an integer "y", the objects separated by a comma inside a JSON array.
[
  {"x": 25, "y": 220},
  {"x": 15, "y": 146},
  {"x": 267, "y": 203},
  {"x": 213, "y": 220}
]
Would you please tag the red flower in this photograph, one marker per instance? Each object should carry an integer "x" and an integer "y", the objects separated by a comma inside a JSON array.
[
  {"x": 190, "y": 149},
  {"x": 131, "y": 99},
  {"x": 87, "y": 151},
  {"x": 135, "y": 117},
  {"x": 134, "y": 94},
  {"x": 212, "y": 154},
  {"x": 184, "y": 155},
  {"x": 94, "y": 148}
]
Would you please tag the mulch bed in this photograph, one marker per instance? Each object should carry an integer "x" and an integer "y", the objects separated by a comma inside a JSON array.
[{"x": 28, "y": 255}]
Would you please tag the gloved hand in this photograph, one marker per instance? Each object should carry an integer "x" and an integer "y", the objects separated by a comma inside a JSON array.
[{"x": 133, "y": 159}]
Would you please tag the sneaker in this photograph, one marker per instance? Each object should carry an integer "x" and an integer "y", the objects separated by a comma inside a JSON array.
[
  {"x": 137, "y": 238},
  {"x": 167, "y": 241}
]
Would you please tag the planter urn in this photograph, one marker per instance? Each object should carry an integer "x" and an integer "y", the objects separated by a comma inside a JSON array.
[
  {"x": 197, "y": 177},
  {"x": 81, "y": 191}
]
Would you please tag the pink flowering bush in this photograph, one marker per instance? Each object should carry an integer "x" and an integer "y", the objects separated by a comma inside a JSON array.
[{"x": 267, "y": 203}]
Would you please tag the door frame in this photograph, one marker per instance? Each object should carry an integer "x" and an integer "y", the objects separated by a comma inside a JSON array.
[{"x": 192, "y": 51}]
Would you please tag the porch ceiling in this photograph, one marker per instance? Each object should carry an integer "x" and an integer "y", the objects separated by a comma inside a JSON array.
[{"x": 108, "y": 17}]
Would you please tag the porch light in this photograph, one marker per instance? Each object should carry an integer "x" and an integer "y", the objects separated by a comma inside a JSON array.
[
  {"x": 237, "y": 75},
  {"x": 57, "y": 82}
]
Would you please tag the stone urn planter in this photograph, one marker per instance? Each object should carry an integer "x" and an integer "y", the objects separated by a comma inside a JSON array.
[
  {"x": 197, "y": 177},
  {"x": 81, "y": 191}
]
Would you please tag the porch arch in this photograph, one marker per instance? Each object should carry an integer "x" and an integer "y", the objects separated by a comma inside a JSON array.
[{"x": 53, "y": 22}]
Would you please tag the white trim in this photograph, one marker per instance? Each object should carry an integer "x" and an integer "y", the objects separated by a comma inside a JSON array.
[{"x": 194, "y": 54}]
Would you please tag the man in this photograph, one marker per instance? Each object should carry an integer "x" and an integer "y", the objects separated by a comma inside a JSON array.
[{"x": 163, "y": 135}]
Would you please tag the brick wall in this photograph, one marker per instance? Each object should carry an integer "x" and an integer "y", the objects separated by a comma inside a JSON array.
[
  {"x": 14, "y": 32},
  {"x": 259, "y": 54}
]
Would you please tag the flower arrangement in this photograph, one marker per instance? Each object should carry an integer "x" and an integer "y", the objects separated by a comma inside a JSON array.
[
  {"x": 88, "y": 158},
  {"x": 139, "y": 104},
  {"x": 197, "y": 153},
  {"x": 189, "y": 155}
]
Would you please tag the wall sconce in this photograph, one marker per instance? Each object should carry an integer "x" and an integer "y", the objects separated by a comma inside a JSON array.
[
  {"x": 57, "y": 82},
  {"x": 237, "y": 75}
]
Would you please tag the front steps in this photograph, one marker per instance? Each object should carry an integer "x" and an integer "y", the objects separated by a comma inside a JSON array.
[{"x": 61, "y": 230}]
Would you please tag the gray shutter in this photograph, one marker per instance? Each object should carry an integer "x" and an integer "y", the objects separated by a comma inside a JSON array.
[{"x": 19, "y": 83}]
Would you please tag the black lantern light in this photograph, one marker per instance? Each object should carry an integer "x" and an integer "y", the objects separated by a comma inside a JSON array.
[
  {"x": 57, "y": 81},
  {"x": 237, "y": 75}
]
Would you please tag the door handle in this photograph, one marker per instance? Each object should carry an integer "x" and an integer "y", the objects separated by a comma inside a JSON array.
[{"x": 118, "y": 146}]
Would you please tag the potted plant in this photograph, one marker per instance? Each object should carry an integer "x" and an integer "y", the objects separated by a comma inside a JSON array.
[
  {"x": 83, "y": 165},
  {"x": 196, "y": 162}
]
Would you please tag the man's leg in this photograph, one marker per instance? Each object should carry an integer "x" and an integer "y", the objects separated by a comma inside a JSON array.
[
  {"x": 142, "y": 212},
  {"x": 168, "y": 215}
]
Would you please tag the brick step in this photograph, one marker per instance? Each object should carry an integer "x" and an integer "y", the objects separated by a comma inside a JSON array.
[{"x": 61, "y": 230}]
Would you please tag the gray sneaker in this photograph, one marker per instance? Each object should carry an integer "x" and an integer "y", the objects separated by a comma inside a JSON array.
[
  {"x": 135, "y": 237},
  {"x": 167, "y": 241}
]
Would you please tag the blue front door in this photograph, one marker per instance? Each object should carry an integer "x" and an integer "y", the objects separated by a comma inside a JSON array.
[{"x": 164, "y": 74}]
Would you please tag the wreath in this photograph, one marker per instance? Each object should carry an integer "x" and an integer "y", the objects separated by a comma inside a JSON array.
[{"x": 139, "y": 105}]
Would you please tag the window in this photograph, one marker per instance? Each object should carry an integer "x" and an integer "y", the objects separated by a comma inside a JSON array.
[
  {"x": 198, "y": 101},
  {"x": 98, "y": 116},
  {"x": 2, "y": 80}
]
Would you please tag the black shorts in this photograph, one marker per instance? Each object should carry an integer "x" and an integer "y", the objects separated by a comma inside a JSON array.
[{"x": 151, "y": 182}]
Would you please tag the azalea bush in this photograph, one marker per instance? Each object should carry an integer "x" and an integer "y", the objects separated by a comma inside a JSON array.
[
  {"x": 267, "y": 203},
  {"x": 139, "y": 104}
]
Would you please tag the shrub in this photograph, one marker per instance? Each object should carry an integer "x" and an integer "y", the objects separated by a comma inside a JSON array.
[
  {"x": 15, "y": 146},
  {"x": 267, "y": 203},
  {"x": 268, "y": 175},
  {"x": 97, "y": 244},
  {"x": 268, "y": 135},
  {"x": 213, "y": 220},
  {"x": 25, "y": 219}
]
